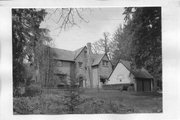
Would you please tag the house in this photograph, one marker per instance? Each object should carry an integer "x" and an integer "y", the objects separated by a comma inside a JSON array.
[
  {"x": 90, "y": 70},
  {"x": 123, "y": 77}
]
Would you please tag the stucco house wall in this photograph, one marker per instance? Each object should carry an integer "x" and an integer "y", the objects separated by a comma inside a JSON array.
[
  {"x": 81, "y": 71},
  {"x": 105, "y": 70},
  {"x": 84, "y": 66},
  {"x": 62, "y": 68},
  {"x": 95, "y": 77},
  {"x": 101, "y": 71},
  {"x": 121, "y": 75}
]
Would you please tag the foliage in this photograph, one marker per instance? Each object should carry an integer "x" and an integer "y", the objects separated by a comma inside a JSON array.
[
  {"x": 58, "y": 104},
  {"x": 25, "y": 36},
  {"x": 139, "y": 40},
  {"x": 123, "y": 39},
  {"x": 25, "y": 105},
  {"x": 67, "y": 18},
  {"x": 33, "y": 90},
  {"x": 104, "y": 45}
]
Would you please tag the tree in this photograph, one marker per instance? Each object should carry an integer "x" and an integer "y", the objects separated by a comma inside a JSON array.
[
  {"x": 123, "y": 39},
  {"x": 104, "y": 45},
  {"x": 140, "y": 39},
  {"x": 29, "y": 40},
  {"x": 63, "y": 18},
  {"x": 25, "y": 35}
]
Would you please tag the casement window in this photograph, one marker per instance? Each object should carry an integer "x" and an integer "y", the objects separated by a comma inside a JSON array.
[
  {"x": 59, "y": 63},
  {"x": 62, "y": 76},
  {"x": 80, "y": 64},
  {"x": 105, "y": 63}
]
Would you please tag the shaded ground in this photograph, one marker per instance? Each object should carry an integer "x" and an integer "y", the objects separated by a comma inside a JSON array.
[{"x": 90, "y": 101}]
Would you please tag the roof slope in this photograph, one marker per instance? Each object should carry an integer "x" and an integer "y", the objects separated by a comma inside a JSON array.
[
  {"x": 127, "y": 64},
  {"x": 68, "y": 55},
  {"x": 96, "y": 58},
  {"x": 142, "y": 73},
  {"x": 77, "y": 52},
  {"x": 138, "y": 73},
  {"x": 62, "y": 54}
]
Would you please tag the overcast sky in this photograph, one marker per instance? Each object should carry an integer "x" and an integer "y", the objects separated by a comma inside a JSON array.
[{"x": 100, "y": 20}]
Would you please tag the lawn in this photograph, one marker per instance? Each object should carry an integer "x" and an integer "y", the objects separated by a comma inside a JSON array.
[
  {"x": 141, "y": 102},
  {"x": 89, "y": 101}
]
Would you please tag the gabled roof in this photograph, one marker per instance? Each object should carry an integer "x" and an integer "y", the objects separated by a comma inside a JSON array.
[
  {"x": 127, "y": 64},
  {"x": 138, "y": 73},
  {"x": 62, "y": 54},
  {"x": 67, "y": 55},
  {"x": 97, "y": 58},
  {"x": 142, "y": 73},
  {"x": 78, "y": 51}
]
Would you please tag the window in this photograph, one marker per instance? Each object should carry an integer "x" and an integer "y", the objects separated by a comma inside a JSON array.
[
  {"x": 105, "y": 63},
  {"x": 80, "y": 64},
  {"x": 120, "y": 77},
  {"x": 59, "y": 63},
  {"x": 85, "y": 53}
]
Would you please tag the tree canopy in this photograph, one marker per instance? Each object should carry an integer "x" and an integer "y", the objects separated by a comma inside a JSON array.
[
  {"x": 25, "y": 36},
  {"x": 139, "y": 39}
]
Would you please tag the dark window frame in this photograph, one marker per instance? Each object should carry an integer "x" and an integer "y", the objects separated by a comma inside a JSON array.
[
  {"x": 105, "y": 63},
  {"x": 80, "y": 64},
  {"x": 60, "y": 63}
]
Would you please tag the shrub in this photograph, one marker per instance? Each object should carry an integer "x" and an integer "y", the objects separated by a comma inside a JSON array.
[
  {"x": 25, "y": 105},
  {"x": 33, "y": 90}
]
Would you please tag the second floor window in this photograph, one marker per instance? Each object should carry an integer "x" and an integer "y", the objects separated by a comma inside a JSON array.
[
  {"x": 105, "y": 63},
  {"x": 59, "y": 63},
  {"x": 80, "y": 64}
]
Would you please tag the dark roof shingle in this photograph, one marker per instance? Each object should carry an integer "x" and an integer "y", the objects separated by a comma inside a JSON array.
[
  {"x": 62, "y": 54},
  {"x": 68, "y": 55},
  {"x": 138, "y": 73},
  {"x": 96, "y": 58},
  {"x": 142, "y": 73}
]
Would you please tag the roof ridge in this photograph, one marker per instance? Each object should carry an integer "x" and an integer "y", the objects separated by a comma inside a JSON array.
[{"x": 62, "y": 49}]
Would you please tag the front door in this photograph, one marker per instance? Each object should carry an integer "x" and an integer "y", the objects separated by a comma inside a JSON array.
[{"x": 81, "y": 82}]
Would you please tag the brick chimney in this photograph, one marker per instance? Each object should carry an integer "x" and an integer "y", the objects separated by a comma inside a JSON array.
[{"x": 89, "y": 63}]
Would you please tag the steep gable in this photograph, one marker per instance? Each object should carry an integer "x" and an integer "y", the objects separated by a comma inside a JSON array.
[
  {"x": 138, "y": 73},
  {"x": 78, "y": 51},
  {"x": 97, "y": 59}
]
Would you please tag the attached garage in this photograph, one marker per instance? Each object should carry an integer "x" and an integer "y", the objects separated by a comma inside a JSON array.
[
  {"x": 144, "y": 81},
  {"x": 143, "y": 85},
  {"x": 123, "y": 75}
]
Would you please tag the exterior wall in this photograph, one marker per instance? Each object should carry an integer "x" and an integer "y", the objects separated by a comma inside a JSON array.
[
  {"x": 95, "y": 77},
  {"x": 152, "y": 87},
  {"x": 64, "y": 69},
  {"x": 105, "y": 71},
  {"x": 82, "y": 71},
  {"x": 133, "y": 81},
  {"x": 101, "y": 71},
  {"x": 121, "y": 75},
  {"x": 89, "y": 75}
]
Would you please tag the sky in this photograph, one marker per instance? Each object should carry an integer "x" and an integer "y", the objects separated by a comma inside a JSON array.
[{"x": 99, "y": 20}]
